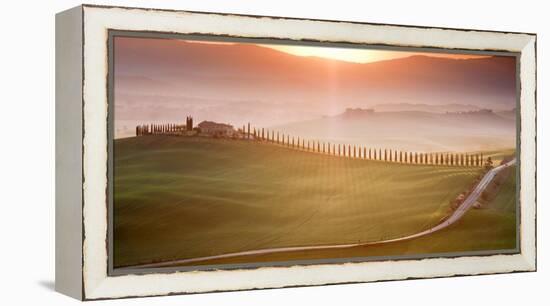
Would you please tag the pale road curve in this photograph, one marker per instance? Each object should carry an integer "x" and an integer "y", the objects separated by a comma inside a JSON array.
[{"x": 457, "y": 214}]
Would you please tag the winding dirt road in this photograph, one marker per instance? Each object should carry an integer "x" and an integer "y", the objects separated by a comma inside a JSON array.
[{"x": 457, "y": 214}]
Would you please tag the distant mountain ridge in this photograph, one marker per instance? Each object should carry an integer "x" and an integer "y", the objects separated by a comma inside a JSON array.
[
  {"x": 443, "y": 108},
  {"x": 420, "y": 131}
]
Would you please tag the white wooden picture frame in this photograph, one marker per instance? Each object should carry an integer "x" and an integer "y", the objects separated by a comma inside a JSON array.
[{"x": 82, "y": 151}]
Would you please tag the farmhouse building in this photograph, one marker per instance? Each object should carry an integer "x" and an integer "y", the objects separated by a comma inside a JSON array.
[{"x": 216, "y": 129}]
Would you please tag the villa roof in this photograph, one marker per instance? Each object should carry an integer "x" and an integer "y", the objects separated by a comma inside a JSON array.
[{"x": 212, "y": 124}]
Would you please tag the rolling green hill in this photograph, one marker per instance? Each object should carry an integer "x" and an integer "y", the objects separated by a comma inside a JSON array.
[
  {"x": 492, "y": 228},
  {"x": 178, "y": 197}
]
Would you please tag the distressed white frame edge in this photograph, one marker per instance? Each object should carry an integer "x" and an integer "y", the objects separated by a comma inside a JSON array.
[{"x": 98, "y": 285}]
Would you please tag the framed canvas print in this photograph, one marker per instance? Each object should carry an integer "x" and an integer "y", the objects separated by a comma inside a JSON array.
[{"x": 201, "y": 152}]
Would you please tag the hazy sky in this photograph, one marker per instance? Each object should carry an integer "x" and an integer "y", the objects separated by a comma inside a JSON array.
[{"x": 164, "y": 80}]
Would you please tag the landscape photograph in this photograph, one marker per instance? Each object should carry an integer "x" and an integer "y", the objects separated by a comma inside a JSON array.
[{"x": 240, "y": 152}]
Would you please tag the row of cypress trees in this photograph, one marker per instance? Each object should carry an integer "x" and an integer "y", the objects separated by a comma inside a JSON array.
[
  {"x": 362, "y": 152},
  {"x": 343, "y": 150},
  {"x": 157, "y": 129}
]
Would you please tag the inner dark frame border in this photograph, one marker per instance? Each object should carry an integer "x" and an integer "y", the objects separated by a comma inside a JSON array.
[{"x": 112, "y": 33}]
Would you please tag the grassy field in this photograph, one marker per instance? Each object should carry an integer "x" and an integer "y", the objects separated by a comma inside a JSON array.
[
  {"x": 179, "y": 198},
  {"x": 488, "y": 229}
]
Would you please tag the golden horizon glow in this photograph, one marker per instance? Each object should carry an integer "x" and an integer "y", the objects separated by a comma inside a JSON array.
[
  {"x": 356, "y": 55},
  {"x": 351, "y": 55}
]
